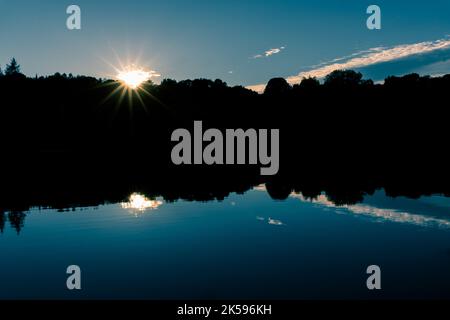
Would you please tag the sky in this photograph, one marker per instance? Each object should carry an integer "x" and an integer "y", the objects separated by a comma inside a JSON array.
[{"x": 243, "y": 42}]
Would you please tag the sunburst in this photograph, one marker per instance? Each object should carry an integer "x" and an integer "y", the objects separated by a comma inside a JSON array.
[
  {"x": 130, "y": 80},
  {"x": 134, "y": 77}
]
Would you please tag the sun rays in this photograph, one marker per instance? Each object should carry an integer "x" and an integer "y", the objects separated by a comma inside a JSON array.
[{"x": 131, "y": 81}]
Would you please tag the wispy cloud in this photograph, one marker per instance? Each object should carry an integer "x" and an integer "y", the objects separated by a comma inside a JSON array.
[
  {"x": 366, "y": 58},
  {"x": 275, "y": 222},
  {"x": 371, "y": 57},
  {"x": 271, "y": 221},
  {"x": 269, "y": 53},
  {"x": 379, "y": 214}
]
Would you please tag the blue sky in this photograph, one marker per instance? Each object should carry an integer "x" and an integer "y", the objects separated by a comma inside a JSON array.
[{"x": 221, "y": 38}]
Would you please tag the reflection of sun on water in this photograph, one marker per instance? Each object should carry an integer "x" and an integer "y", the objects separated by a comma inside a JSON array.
[{"x": 139, "y": 203}]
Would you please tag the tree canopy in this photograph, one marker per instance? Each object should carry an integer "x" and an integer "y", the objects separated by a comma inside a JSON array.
[{"x": 12, "y": 68}]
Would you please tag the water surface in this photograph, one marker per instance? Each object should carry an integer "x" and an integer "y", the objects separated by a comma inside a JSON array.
[{"x": 246, "y": 246}]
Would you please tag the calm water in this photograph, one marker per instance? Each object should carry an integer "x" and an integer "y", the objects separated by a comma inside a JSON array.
[{"x": 247, "y": 246}]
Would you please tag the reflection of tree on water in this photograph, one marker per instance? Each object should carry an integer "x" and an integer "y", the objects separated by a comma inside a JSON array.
[
  {"x": 84, "y": 191},
  {"x": 16, "y": 220},
  {"x": 2, "y": 221}
]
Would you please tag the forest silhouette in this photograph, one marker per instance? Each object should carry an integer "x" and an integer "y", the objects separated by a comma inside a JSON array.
[{"x": 71, "y": 141}]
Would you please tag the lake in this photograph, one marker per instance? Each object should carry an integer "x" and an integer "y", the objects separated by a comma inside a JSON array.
[{"x": 247, "y": 246}]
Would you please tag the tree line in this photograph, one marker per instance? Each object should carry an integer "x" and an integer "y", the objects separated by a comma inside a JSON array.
[{"x": 345, "y": 135}]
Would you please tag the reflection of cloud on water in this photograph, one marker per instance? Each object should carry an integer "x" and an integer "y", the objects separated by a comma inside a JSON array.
[
  {"x": 381, "y": 214},
  {"x": 275, "y": 222},
  {"x": 271, "y": 221},
  {"x": 260, "y": 187},
  {"x": 378, "y": 213}
]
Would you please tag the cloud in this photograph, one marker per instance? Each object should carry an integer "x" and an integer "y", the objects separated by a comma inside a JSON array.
[
  {"x": 381, "y": 214},
  {"x": 153, "y": 73},
  {"x": 257, "y": 88},
  {"x": 437, "y": 69},
  {"x": 269, "y": 53},
  {"x": 366, "y": 58},
  {"x": 271, "y": 221},
  {"x": 275, "y": 222},
  {"x": 363, "y": 209},
  {"x": 373, "y": 56}
]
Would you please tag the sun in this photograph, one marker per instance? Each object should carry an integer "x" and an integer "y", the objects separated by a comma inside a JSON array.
[
  {"x": 131, "y": 80},
  {"x": 133, "y": 77}
]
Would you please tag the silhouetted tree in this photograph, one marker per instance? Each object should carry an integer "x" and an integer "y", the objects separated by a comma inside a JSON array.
[
  {"x": 404, "y": 81},
  {"x": 310, "y": 82},
  {"x": 12, "y": 68},
  {"x": 220, "y": 84},
  {"x": 368, "y": 82},
  {"x": 343, "y": 78},
  {"x": 169, "y": 83},
  {"x": 277, "y": 86}
]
